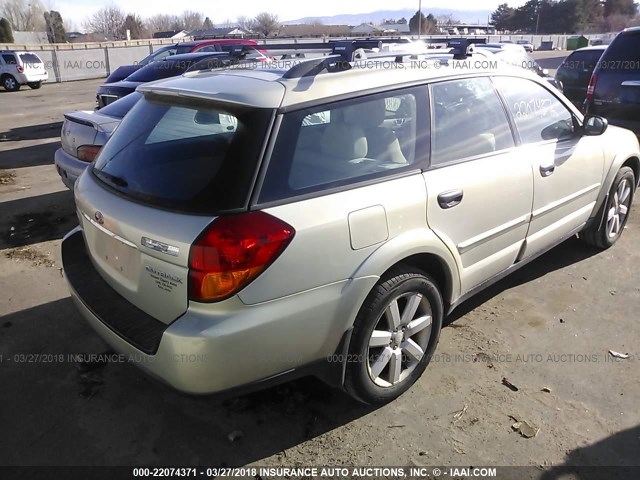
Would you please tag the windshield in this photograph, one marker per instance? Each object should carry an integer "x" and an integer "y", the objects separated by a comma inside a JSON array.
[
  {"x": 185, "y": 155},
  {"x": 120, "y": 108},
  {"x": 166, "y": 52}
]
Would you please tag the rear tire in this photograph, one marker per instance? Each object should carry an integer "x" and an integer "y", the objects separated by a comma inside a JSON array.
[
  {"x": 613, "y": 215},
  {"x": 35, "y": 85},
  {"x": 10, "y": 84},
  {"x": 394, "y": 336}
]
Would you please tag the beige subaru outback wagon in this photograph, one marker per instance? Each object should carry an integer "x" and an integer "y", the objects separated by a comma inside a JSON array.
[{"x": 241, "y": 228}]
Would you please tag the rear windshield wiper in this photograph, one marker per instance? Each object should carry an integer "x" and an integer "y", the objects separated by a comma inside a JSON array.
[{"x": 117, "y": 181}]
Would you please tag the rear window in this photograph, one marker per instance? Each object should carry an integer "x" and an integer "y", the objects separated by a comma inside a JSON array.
[
  {"x": 585, "y": 60},
  {"x": 623, "y": 53},
  {"x": 189, "y": 156},
  {"x": 120, "y": 108},
  {"x": 30, "y": 58}
]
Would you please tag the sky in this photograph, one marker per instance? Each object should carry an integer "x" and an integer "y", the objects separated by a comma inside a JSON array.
[{"x": 221, "y": 10}]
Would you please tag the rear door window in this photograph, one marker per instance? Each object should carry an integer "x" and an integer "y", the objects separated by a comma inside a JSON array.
[
  {"x": 9, "y": 59},
  {"x": 344, "y": 143},
  {"x": 185, "y": 155},
  {"x": 538, "y": 114},
  {"x": 468, "y": 120}
]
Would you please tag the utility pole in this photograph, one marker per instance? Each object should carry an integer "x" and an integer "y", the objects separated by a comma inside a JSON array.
[{"x": 419, "y": 19}]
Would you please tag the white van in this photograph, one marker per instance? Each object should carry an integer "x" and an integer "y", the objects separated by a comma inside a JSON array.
[{"x": 21, "y": 68}]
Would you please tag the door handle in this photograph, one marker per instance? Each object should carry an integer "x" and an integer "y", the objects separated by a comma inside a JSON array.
[
  {"x": 450, "y": 199},
  {"x": 546, "y": 170}
]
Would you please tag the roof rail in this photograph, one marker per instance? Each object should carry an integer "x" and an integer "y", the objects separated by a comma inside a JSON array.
[{"x": 314, "y": 66}]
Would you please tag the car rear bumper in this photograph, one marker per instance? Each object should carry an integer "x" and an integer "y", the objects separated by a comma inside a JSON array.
[
  {"x": 69, "y": 168},
  {"x": 211, "y": 350},
  {"x": 32, "y": 77}
]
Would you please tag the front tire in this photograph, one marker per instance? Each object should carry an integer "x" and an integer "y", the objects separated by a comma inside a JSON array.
[
  {"x": 614, "y": 213},
  {"x": 394, "y": 336},
  {"x": 35, "y": 85},
  {"x": 10, "y": 84}
]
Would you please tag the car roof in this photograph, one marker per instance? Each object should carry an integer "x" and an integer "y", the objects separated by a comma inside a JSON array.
[
  {"x": 190, "y": 56},
  {"x": 17, "y": 51},
  {"x": 269, "y": 87},
  {"x": 219, "y": 41},
  {"x": 591, "y": 47},
  {"x": 504, "y": 46}
]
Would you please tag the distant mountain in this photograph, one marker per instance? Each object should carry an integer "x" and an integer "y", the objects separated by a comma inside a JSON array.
[{"x": 464, "y": 16}]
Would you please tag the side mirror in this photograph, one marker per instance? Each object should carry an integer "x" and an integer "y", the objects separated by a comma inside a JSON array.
[
  {"x": 594, "y": 125},
  {"x": 545, "y": 71}
]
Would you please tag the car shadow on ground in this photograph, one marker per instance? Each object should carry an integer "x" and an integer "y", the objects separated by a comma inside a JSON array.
[
  {"x": 571, "y": 251},
  {"x": 66, "y": 412},
  {"x": 611, "y": 458},
  {"x": 36, "y": 219},
  {"x": 32, "y": 132},
  {"x": 33, "y": 156}
]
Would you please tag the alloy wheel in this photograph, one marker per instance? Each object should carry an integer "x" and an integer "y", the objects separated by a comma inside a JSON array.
[
  {"x": 399, "y": 340},
  {"x": 618, "y": 208}
]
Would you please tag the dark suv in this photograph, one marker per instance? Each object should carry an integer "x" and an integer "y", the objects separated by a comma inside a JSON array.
[
  {"x": 576, "y": 70},
  {"x": 614, "y": 88}
]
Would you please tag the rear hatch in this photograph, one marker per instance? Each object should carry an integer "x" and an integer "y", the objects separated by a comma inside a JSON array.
[
  {"x": 171, "y": 167},
  {"x": 33, "y": 66},
  {"x": 616, "y": 94}
]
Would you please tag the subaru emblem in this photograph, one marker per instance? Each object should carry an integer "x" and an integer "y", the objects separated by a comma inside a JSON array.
[{"x": 99, "y": 217}]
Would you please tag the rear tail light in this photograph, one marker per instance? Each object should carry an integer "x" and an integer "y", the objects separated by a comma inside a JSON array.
[
  {"x": 88, "y": 153},
  {"x": 232, "y": 251},
  {"x": 592, "y": 87},
  {"x": 20, "y": 69}
]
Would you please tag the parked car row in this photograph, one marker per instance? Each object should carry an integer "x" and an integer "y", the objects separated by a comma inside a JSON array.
[
  {"x": 325, "y": 218},
  {"x": 605, "y": 80},
  {"x": 70, "y": 163}
]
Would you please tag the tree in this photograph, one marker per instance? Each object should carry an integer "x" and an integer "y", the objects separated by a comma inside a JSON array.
[
  {"x": 267, "y": 24},
  {"x": 107, "y": 20},
  {"x": 208, "y": 24},
  {"x": 447, "y": 19},
  {"x": 246, "y": 23},
  {"x": 428, "y": 23},
  {"x": 615, "y": 23},
  {"x": 163, "y": 23},
  {"x": 502, "y": 17},
  {"x": 191, "y": 20},
  {"x": 24, "y": 15},
  {"x": 620, "y": 7},
  {"x": 55, "y": 27},
  {"x": 134, "y": 24},
  {"x": 6, "y": 34}
]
